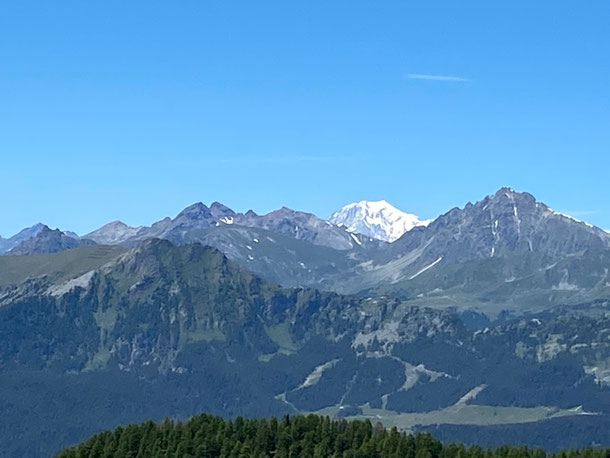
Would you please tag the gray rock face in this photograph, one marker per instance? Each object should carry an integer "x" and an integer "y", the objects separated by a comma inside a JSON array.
[
  {"x": 11, "y": 242},
  {"x": 221, "y": 212},
  {"x": 506, "y": 251},
  {"x": 504, "y": 223},
  {"x": 506, "y": 244},
  {"x": 302, "y": 226},
  {"x": 48, "y": 241},
  {"x": 113, "y": 233},
  {"x": 295, "y": 224},
  {"x": 499, "y": 225}
]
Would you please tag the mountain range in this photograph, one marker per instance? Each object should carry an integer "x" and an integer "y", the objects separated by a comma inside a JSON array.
[
  {"x": 198, "y": 217},
  {"x": 505, "y": 253},
  {"x": 492, "y": 314}
]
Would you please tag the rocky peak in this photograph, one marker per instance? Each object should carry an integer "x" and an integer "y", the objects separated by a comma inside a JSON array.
[
  {"x": 221, "y": 209},
  {"x": 113, "y": 233},
  {"x": 504, "y": 223},
  {"x": 24, "y": 234},
  {"x": 48, "y": 241},
  {"x": 221, "y": 213},
  {"x": 195, "y": 211}
]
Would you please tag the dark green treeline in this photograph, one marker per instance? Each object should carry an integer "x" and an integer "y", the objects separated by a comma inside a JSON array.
[{"x": 300, "y": 436}]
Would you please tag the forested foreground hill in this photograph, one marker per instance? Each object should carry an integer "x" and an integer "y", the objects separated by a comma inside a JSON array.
[{"x": 299, "y": 436}]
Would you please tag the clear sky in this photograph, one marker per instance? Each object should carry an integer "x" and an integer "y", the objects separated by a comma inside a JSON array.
[{"x": 133, "y": 110}]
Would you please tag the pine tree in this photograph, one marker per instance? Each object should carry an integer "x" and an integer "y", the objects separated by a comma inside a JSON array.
[{"x": 206, "y": 436}]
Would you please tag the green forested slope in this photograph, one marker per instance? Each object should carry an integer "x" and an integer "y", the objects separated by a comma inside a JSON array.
[{"x": 310, "y": 436}]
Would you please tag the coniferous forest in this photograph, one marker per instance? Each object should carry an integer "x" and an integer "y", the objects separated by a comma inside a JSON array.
[{"x": 299, "y": 436}]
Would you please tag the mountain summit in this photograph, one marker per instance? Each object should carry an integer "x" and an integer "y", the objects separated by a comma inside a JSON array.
[
  {"x": 376, "y": 219},
  {"x": 113, "y": 233},
  {"x": 47, "y": 241},
  {"x": 25, "y": 234}
]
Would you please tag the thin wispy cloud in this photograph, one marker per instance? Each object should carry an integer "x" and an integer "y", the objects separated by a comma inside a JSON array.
[
  {"x": 285, "y": 159},
  {"x": 444, "y": 78},
  {"x": 303, "y": 158}
]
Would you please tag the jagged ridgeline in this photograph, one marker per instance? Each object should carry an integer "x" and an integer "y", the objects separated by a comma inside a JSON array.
[
  {"x": 303, "y": 436},
  {"x": 505, "y": 252},
  {"x": 488, "y": 325}
]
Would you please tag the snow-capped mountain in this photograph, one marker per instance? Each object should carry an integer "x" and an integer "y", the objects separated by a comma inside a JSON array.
[{"x": 376, "y": 219}]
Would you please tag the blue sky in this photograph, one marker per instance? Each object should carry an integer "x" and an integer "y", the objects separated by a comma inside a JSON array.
[{"x": 133, "y": 110}]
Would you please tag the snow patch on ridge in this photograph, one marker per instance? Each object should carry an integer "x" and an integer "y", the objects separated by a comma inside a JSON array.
[
  {"x": 573, "y": 219},
  {"x": 425, "y": 268}
]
